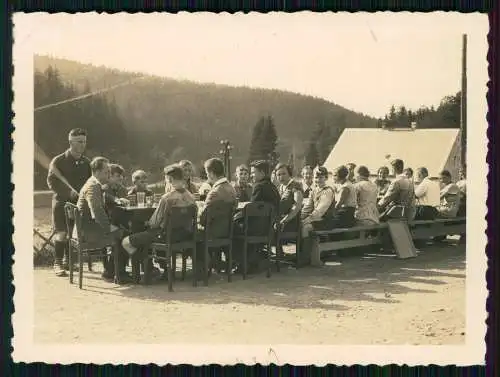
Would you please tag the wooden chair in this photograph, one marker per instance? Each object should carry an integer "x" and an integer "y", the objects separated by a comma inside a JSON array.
[
  {"x": 80, "y": 245},
  {"x": 218, "y": 233},
  {"x": 177, "y": 218},
  {"x": 257, "y": 213},
  {"x": 288, "y": 235}
]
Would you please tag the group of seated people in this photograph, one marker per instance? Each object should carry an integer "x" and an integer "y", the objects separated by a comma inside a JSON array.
[{"x": 351, "y": 199}]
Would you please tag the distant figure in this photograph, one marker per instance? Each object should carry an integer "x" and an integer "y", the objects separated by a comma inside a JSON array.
[
  {"x": 242, "y": 187},
  {"x": 366, "y": 194},
  {"x": 409, "y": 173},
  {"x": 188, "y": 171},
  {"x": 381, "y": 181},
  {"x": 351, "y": 166},
  {"x": 307, "y": 181},
  {"x": 398, "y": 201},
  {"x": 449, "y": 196},
  {"x": 73, "y": 166},
  {"x": 140, "y": 183},
  {"x": 204, "y": 189},
  {"x": 427, "y": 196},
  {"x": 462, "y": 186}
]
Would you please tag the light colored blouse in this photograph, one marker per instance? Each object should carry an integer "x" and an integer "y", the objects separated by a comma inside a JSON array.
[{"x": 351, "y": 200}]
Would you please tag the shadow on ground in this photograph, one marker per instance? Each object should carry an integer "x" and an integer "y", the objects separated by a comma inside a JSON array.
[{"x": 354, "y": 276}]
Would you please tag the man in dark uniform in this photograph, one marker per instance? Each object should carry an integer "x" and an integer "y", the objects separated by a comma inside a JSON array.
[
  {"x": 74, "y": 168},
  {"x": 263, "y": 191}
]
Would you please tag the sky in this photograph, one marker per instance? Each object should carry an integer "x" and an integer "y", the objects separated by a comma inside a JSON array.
[{"x": 364, "y": 62}]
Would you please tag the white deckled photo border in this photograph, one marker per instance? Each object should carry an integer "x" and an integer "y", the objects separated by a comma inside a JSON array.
[{"x": 472, "y": 353}]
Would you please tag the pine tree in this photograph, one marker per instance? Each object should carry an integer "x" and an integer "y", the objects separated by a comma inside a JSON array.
[
  {"x": 264, "y": 140},
  {"x": 311, "y": 157}
]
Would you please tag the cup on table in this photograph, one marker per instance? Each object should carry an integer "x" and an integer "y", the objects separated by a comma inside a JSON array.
[
  {"x": 132, "y": 200},
  {"x": 141, "y": 198}
]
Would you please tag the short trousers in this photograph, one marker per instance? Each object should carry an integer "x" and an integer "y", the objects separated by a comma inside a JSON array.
[{"x": 58, "y": 217}]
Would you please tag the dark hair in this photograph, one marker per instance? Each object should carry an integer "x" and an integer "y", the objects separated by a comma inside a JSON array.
[
  {"x": 383, "y": 168},
  {"x": 398, "y": 165},
  {"x": 174, "y": 171},
  {"x": 363, "y": 171},
  {"x": 288, "y": 168},
  {"x": 423, "y": 172},
  {"x": 97, "y": 164},
  {"x": 409, "y": 171},
  {"x": 261, "y": 165},
  {"x": 183, "y": 163},
  {"x": 138, "y": 173},
  {"x": 342, "y": 172},
  {"x": 320, "y": 171},
  {"x": 242, "y": 167},
  {"x": 445, "y": 173},
  {"x": 77, "y": 132},
  {"x": 215, "y": 165},
  {"x": 116, "y": 169},
  {"x": 350, "y": 165}
]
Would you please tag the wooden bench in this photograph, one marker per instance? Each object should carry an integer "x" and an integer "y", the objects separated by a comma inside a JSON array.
[
  {"x": 426, "y": 229},
  {"x": 357, "y": 237},
  {"x": 360, "y": 236}
]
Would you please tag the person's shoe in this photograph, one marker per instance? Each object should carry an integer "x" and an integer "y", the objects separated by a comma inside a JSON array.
[
  {"x": 108, "y": 276},
  {"x": 58, "y": 269},
  {"x": 125, "y": 278},
  {"x": 65, "y": 264}
]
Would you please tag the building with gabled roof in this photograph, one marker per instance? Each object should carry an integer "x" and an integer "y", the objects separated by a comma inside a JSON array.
[{"x": 435, "y": 149}]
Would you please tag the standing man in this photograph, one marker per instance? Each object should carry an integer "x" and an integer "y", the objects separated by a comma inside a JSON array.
[{"x": 67, "y": 174}]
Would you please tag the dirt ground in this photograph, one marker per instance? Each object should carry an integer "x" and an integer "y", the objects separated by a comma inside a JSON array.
[{"x": 354, "y": 299}]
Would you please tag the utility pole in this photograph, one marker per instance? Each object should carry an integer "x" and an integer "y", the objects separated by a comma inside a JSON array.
[{"x": 463, "y": 107}]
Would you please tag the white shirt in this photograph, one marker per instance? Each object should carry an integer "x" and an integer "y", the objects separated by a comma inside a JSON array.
[{"x": 428, "y": 193}]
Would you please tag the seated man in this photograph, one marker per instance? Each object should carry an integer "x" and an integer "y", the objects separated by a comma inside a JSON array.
[
  {"x": 398, "y": 201},
  {"x": 96, "y": 226},
  {"x": 427, "y": 196},
  {"x": 221, "y": 191},
  {"x": 318, "y": 215},
  {"x": 263, "y": 191},
  {"x": 178, "y": 196},
  {"x": 241, "y": 186},
  {"x": 140, "y": 183},
  {"x": 115, "y": 193},
  {"x": 291, "y": 197},
  {"x": 307, "y": 181}
]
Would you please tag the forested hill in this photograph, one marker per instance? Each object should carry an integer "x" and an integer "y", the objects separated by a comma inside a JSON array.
[{"x": 167, "y": 119}]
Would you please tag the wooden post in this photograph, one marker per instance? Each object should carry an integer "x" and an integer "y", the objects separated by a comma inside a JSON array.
[{"x": 463, "y": 107}]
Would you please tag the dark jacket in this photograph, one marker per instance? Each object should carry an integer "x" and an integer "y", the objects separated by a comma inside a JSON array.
[
  {"x": 266, "y": 191},
  {"x": 75, "y": 171}
]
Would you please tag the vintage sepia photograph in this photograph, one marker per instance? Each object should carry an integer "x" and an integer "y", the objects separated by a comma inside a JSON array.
[{"x": 217, "y": 188}]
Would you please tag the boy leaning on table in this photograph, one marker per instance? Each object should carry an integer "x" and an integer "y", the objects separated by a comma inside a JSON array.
[
  {"x": 140, "y": 183},
  {"x": 177, "y": 196}
]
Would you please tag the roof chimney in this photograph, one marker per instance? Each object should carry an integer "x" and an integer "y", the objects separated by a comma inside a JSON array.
[{"x": 413, "y": 126}]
